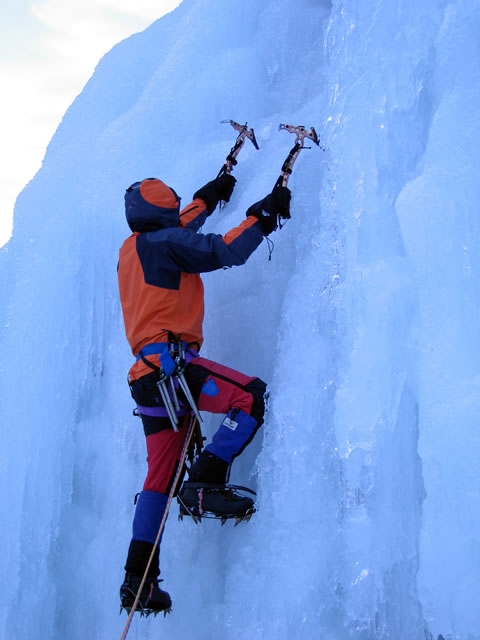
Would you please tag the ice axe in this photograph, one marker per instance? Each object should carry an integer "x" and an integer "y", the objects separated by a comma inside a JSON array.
[
  {"x": 301, "y": 133},
  {"x": 243, "y": 133}
]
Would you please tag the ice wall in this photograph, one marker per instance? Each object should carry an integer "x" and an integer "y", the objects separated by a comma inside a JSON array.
[
  {"x": 363, "y": 323},
  {"x": 438, "y": 211}
]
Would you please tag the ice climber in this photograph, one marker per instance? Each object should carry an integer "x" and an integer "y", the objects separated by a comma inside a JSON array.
[{"x": 162, "y": 300}]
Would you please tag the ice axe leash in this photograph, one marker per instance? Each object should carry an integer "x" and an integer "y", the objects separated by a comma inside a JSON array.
[
  {"x": 243, "y": 133},
  {"x": 192, "y": 426},
  {"x": 301, "y": 133}
]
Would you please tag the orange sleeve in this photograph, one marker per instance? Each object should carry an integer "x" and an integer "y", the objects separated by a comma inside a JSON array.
[
  {"x": 192, "y": 211},
  {"x": 234, "y": 233}
]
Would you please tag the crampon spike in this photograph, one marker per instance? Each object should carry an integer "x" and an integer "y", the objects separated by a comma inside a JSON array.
[{"x": 145, "y": 612}]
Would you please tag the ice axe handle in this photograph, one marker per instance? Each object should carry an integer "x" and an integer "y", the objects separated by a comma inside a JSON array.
[
  {"x": 287, "y": 167},
  {"x": 230, "y": 162}
]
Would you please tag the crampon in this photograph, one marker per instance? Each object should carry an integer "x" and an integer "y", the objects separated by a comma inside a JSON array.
[{"x": 215, "y": 501}]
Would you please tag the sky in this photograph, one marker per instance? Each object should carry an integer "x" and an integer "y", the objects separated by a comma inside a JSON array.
[{"x": 48, "y": 50}]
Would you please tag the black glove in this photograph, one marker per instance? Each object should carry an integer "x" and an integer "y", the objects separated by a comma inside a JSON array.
[
  {"x": 270, "y": 208},
  {"x": 219, "y": 189}
]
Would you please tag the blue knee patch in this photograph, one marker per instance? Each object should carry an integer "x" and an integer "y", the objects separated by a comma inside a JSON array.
[
  {"x": 210, "y": 388},
  {"x": 148, "y": 515},
  {"x": 234, "y": 433}
]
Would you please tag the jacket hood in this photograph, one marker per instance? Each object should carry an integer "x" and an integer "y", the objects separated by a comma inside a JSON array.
[{"x": 151, "y": 205}]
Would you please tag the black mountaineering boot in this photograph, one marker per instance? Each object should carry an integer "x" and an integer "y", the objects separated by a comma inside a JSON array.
[
  {"x": 199, "y": 499},
  {"x": 152, "y": 598},
  {"x": 208, "y": 468},
  {"x": 206, "y": 490}
]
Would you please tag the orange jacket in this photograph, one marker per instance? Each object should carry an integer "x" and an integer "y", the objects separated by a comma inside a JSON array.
[{"x": 158, "y": 273}]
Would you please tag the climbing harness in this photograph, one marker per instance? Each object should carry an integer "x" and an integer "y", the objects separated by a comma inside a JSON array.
[{"x": 173, "y": 357}]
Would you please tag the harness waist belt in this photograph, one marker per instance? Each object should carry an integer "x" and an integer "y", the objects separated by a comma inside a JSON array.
[
  {"x": 158, "y": 412},
  {"x": 159, "y": 347},
  {"x": 152, "y": 349}
]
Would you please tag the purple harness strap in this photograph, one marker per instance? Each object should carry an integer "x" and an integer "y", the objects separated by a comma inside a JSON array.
[{"x": 158, "y": 412}]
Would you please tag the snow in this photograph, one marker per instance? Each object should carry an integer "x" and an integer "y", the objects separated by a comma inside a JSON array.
[{"x": 364, "y": 323}]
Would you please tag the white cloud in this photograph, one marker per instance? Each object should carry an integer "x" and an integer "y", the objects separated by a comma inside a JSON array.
[{"x": 67, "y": 39}]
